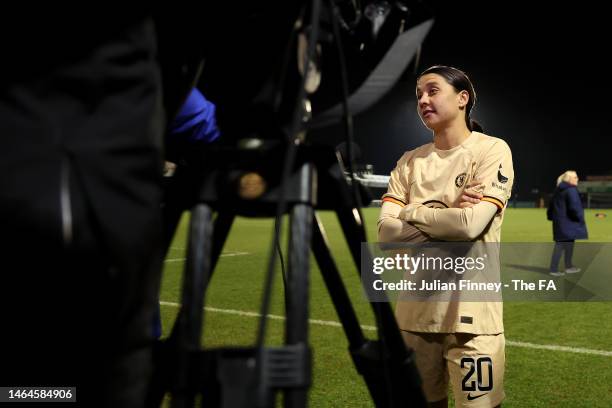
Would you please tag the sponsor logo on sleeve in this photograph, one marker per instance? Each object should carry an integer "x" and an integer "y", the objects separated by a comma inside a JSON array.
[{"x": 500, "y": 177}]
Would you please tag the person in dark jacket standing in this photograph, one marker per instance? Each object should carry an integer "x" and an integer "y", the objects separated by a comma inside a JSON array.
[{"x": 566, "y": 212}]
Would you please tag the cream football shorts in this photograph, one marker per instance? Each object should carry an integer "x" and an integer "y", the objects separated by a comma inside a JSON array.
[{"x": 473, "y": 364}]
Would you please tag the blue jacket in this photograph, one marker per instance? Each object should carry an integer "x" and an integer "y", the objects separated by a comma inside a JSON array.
[
  {"x": 196, "y": 120},
  {"x": 566, "y": 212}
]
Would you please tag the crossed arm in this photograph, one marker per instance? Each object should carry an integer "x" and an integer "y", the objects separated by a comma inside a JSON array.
[{"x": 418, "y": 223}]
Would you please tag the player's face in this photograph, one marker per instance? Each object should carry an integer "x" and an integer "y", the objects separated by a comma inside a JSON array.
[{"x": 438, "y": 103}]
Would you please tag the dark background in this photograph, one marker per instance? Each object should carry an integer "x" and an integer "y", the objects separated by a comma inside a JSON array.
[{"x": 543, "y": 85}]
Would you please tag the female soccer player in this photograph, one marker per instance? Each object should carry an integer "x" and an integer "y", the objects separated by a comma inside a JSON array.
[{"x": 452, "y": 189}]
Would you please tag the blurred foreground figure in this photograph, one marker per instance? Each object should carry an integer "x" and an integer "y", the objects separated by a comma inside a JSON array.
[{"x": 81, "y": 129}]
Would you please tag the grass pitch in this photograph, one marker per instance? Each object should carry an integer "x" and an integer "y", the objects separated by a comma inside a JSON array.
[{"x": 557, "y": 354}]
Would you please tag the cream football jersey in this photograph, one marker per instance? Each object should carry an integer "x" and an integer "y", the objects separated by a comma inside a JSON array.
[{"x": 437, "y": 178}]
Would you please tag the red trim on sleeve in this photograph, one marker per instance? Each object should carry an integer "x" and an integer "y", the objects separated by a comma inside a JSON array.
[
  {"x": 500, "y": 205},
  {"x": 394, "y": 201}
]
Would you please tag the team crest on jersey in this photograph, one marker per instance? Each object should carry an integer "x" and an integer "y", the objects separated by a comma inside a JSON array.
[{"x": 460, "y": 179}]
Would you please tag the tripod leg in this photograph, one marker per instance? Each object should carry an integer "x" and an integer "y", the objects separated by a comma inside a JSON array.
[
  {"x": 188, "y": 329},
  {"x": 223, "y": 224},
  {"x": 402, "y": 384},
  {"x": 298, "y": 283},
  {"x": 354, "y": 232},
  {"x": 176, "y": 201},
  {"x": 335, "y": 286}
]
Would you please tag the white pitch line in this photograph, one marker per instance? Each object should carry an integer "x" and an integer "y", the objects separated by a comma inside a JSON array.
[
  {"x": 550, "y": 347},
  {"x": 554, "y": 347},
  {"x": 222, "y": 255},
  {"x": 234, "y": 253}
]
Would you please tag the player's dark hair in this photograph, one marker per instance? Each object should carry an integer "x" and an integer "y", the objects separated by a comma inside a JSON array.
[{"x": 461, "y": 82}]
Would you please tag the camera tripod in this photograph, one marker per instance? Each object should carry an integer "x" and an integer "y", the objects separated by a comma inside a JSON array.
[{"x": 245, "y": 181}]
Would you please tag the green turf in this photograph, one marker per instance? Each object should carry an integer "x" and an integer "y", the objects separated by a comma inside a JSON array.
[{"x": 534, "y": 378}]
